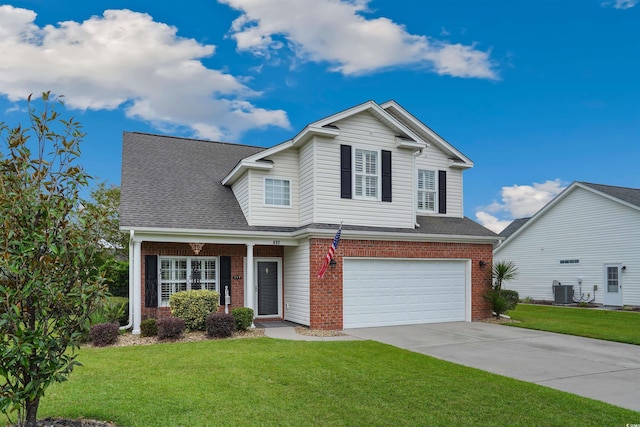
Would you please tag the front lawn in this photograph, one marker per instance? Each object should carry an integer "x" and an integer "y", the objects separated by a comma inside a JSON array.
[
  {"x": 620, "y": 326},
  {"x": 269, "y": 382}
]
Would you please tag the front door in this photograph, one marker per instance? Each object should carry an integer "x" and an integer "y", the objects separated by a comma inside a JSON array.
[
  {"x": 613, "y": 285},
  {"x": 268, "y": 289}
]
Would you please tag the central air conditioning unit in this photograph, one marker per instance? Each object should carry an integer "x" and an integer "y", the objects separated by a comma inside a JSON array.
[{"x": 563, "y": 294}]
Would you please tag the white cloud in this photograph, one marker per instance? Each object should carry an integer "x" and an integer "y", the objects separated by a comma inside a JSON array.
[
  {"x": 518, "y": 201},
  {"x": 125, "y": 58},
  {"x": 620, "y": 4},
  {"x": 336, "y": 32}
]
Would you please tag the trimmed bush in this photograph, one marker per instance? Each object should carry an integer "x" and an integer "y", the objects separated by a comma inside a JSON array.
[
  {"x": 104, "y": 334},
  {"x": 194, "y": 306},
  {"x": 512, "y": 298},
  {"x": 149, "y": 328},
  {"x": 170, "y": 328},
  {"x": 243, "y": 317},
  {"x": 220, "y": 325}
]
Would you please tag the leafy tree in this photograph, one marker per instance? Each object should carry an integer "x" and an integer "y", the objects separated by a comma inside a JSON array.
[{"x": 49, "y": 282}]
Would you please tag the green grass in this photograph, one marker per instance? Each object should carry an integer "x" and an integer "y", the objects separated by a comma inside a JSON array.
[
  {"x": 619, "y": 326},
  {"x": 269, "y": 382}
]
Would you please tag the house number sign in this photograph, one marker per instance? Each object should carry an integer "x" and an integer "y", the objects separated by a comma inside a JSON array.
[{"x": 276, "y": 242}]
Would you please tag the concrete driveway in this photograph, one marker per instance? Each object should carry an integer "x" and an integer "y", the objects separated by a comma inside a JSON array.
[{"x": 600, "y": 370}]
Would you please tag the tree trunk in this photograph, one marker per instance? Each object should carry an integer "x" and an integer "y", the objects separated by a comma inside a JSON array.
[{"x": 32, "y": 412}]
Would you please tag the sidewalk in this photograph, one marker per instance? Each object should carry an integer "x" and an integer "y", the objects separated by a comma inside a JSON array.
[{"x": 285, "y": 331}]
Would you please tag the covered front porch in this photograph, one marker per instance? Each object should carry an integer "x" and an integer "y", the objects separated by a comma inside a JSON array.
[{"x": 250, "y": 269}]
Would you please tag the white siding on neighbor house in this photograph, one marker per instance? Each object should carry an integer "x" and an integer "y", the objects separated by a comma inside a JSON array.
[
  {"x": 307, "y": 180},
  {"x": 241, "y": 191},
  {"x": 285, "y": 166},
  {"x": 296, "y": 283},
  {"x": 363, "y": 130},
  {"x": 434, "y": 159},
  {"x": 584, "y": 226}
]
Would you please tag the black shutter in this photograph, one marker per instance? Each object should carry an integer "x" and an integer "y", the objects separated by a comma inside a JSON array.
[
  {"x": 225, "y": 276},
  {"x": 442, "y": 192},
  {"x": 150, "y": 280},
  {"x": 386, "y": 176},
  {"x": 345, "y": 171}
]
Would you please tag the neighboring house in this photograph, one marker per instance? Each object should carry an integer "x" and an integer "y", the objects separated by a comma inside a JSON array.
[
  {"x": 259, "y": 222},
  {"x": 587, "y": 237}
]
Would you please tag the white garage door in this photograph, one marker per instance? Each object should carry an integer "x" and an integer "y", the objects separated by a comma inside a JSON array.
[{"x": 383, "y": 292}]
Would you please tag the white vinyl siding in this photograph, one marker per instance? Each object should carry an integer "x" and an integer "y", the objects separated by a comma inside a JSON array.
[
  {"x": 363, "y": 131},
  {"x": 307, "y": 182},
  {"x": 366, "y": 171},
  {"x": 296, "y": 279},
  {"x": 241, "y": 191},
  {"x": 185, "y": 273},
  {"x": 277, "y": 192},
  {"x": 427, "y": 195},
  {"x": 285, "y": 167},
  {"x": 584, "y": 226}
]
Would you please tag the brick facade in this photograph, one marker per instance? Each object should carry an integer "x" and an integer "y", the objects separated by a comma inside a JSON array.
[
  {"x": 326, "y": 294},
  {"x": 326, "y": 309},
  {"x": 236, "y": 252}
]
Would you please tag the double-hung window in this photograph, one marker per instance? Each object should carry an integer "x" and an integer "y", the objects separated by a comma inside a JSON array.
[
  {"x": 277, "y": 192},
  {"x": 426, "y": 190},
  {"x": 367, "y": 174},
  {"x": 185, "y": 273}
]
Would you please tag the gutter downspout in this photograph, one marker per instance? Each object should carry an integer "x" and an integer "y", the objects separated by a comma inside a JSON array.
[{"x": 130, "y": 323}]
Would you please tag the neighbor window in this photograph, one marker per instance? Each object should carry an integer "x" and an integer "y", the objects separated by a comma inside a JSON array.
[
  {"x": 277, "y": 192},
  {"x": 366, "y": 174},
  {"x": 183, "y": 274},
  {"x": 426, "y": 190}
]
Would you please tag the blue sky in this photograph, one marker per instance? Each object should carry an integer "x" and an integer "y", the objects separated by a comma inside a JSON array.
[{"x": 537, "y": 93}]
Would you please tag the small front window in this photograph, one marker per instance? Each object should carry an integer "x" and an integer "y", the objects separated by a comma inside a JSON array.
[
  {"x": 366, "y": 174},
  {"x": 182, "y": 274},
  {"x": 426, "y": 190},
  {"x": 277, "y": 192}
]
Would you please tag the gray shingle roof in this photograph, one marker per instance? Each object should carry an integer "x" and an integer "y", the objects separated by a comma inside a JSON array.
[
  {"x": 513, "y": 227},
  {"x": 629, "y": 195},
  {"x": 170, "y": 182}
]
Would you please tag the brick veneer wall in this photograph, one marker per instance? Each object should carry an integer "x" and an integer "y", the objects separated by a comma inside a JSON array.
[
  {"x": 236, "y": 252},
  {"x": 326, "y": 294}
]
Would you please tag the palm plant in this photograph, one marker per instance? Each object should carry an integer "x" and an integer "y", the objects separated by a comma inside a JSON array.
[{"x": 503, "y": 271}]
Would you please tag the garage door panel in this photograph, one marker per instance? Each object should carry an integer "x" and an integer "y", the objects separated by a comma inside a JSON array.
[{"x": 403, "y": 292}]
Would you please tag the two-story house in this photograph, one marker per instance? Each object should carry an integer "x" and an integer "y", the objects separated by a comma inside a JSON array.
[{"x": 257, "y": 223}]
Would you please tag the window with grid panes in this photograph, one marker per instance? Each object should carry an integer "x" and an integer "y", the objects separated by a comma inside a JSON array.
[
  {"x": 426, "y": 190},
  {"x": 185, "y": 273},
  {"x": 277, "y": 192},
  {"x": 367, "y": 173}
]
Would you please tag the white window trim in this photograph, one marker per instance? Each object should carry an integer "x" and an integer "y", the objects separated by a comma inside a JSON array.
[
  {"x": 435, "y": 191},
  {"x": 188, "y": 280},
  {"x": 378, "y": 175},
  {"x": 264, "y": 192}
]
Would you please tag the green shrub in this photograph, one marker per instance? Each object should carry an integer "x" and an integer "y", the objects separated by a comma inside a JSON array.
[
  {"x": 497, "y": 302},
  {"x": 194, "y": 306},
  {"x": 512, "y": 298},
  {"x": 104, "y": 334},
  {"x": 116, "y": 309},
  {"x": 170, "y": 328},
  {"x": 243, "y": 317},
  {"x": 149, "y": 328},
  {"x": 220, "y": 325}
]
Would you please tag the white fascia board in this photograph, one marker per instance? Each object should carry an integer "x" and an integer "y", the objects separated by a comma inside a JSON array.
[
  {"x": 396, "y": 236},
  {"x": 181, "y": 235},
  {"x": 437, "y": 139},
  {"x": 414, "y": 145},
  {"x": 607, "y": 196},
  {"x": 311, "y": 131},
  {"x": 253, "y": 162}
]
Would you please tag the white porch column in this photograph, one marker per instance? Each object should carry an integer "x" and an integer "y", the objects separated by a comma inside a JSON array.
[
  {"x": 137, "y": 287},
  {"x": 250, "y": 282}
]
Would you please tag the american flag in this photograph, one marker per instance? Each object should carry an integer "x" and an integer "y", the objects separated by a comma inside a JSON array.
[{"x": 329, "y": 256}]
